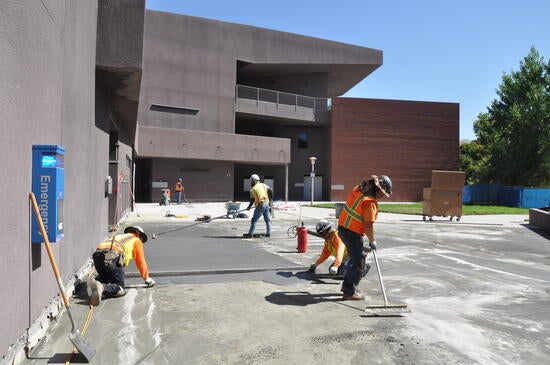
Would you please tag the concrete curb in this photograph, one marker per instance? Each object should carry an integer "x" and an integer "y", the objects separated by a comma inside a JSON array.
[{"x": 215, "y": 271}]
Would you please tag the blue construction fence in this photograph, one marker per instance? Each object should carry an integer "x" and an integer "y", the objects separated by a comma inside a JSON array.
[{"x": 509, "y": 196}]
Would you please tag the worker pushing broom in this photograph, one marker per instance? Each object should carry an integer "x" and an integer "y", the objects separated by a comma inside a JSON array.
[{"x": 356, "y": 228}]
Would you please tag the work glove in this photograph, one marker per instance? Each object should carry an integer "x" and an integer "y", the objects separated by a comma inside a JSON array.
[
  {"x": 312, "y": 268},
  {"x": 366, "y": 246},
  {"x": 150, "y": 282},
  {"x": 372, "y": 245},
  {"x": 248, "y": 208},
  {"x": 333, "y": 270}
]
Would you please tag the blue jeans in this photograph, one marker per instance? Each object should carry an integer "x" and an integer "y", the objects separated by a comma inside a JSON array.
[
  {"x": 178, "y": 197},
  {"x": 354, "y": 244},
  {"x": 109, "y": 274},
  {"x": 260, "y": 210}
]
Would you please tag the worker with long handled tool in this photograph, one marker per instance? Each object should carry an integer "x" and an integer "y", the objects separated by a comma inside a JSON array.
[
  {"x": 333, "y": 247},
  {"x": 356, "y": 225},
  {"x": 260, "y": 199},
  {"x": 110, "y": 258}
]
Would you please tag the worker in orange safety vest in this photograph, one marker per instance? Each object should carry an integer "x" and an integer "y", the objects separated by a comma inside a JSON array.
[
  {"x": 179, "y": 189},
  {"x": 110, "y": 258},
  {"x": 356, "y": 227},
  {"x": 333, "y": 246}
]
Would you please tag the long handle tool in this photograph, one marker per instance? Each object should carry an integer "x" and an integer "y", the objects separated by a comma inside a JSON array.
[
  {"x": 78, "y": 340},
  {"x": 385, "y": 308},
  {"x": 155, "y": 235}
]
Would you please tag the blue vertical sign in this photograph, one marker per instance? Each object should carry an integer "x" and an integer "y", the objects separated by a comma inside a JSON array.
[{"x": 48, "y": 186}]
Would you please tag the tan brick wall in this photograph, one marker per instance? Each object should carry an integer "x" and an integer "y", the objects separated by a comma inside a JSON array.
[{"x": 405, "y": 140}]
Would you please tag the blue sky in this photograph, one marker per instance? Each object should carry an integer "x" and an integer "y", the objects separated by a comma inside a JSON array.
[{"x": 434, "y": 50}]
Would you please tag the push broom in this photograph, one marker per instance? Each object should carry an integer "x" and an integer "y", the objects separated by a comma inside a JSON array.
[
  {"x": 386, "y": 308},
  {"x": 209, "y": 219},
  {"x": 75, "y": 336}
]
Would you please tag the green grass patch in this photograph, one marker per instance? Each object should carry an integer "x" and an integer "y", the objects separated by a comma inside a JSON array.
[{"x": 416, "y": 208}]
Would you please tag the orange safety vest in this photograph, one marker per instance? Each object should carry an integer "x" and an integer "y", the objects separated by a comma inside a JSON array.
[
  {"x": 131, "y": 247},
  {"x": 333, "y": 247},
  {"x": 358, "y": 210},
  {"x": 179, "y": 186}
]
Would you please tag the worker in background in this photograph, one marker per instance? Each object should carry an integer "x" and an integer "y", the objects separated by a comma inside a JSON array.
[
  {"x": 333, "y": 247},
  {"x": 110, "y": 258},
  {"x": 178, "y": 189},
  {"x": 270, "y": 197},
  {"x": 260, "y": 199},
  {"x": 356, "y": 227}
]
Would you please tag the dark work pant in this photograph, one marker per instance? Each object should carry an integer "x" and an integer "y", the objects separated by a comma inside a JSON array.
[
  {"x": 109, "y": 274},
  {"x": 354, "y": 244}
]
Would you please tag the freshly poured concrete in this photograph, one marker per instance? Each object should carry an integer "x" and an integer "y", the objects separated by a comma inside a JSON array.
[{"x": 478, "y": 292}]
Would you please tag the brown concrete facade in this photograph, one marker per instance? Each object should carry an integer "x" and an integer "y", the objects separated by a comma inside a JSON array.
[
  {"x": 405, "y": 140},
  {"x": 190, "y": 113},
  {"x": 52, "y": 91}
]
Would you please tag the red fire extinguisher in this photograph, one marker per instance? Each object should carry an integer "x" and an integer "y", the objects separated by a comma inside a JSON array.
[{"x": 302, "y": 239}]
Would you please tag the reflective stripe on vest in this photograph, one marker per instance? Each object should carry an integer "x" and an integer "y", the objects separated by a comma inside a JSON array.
[
  {"x": 352, "y": 213},
  {"x": 117, "y": 243}
]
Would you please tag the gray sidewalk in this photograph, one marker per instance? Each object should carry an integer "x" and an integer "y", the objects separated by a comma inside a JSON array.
[{"x": 189, "y": 212}]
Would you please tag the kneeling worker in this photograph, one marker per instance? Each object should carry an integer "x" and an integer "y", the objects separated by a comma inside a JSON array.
[
  {"x": 110, "y": 258},
  {"x": 333, "y": 247}
]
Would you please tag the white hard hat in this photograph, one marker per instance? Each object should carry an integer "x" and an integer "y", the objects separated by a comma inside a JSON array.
[
  {"x": 323, "y": 226},
  {"x": 138, "y": 230},
  {"x": 254, "y": 177}
]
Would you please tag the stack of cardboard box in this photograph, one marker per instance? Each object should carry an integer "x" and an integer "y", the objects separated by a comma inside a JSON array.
[{"x": 444, "y": 197}]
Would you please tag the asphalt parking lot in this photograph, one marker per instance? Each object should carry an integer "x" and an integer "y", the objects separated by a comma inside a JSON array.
[{"x": 478, "y": 292}]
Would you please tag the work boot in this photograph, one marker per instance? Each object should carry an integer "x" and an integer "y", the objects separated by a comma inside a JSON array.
[
  {"x": 95, "y": 291},
  {"x": 354, "y": 296},
  {"x": 120, "y": 292},
  {"x": 348, "y": 287},
  {"x": 247, "y": 235}
]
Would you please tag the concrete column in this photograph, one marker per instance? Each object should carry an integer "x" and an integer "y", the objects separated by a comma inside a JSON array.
[{"x": 286, "y": 183}]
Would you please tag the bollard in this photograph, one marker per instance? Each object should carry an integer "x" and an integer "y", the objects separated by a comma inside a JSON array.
[{"x": 302, "y": 239}]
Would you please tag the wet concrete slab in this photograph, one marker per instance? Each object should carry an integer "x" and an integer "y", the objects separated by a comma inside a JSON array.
[{"x": 478, "y": 294}]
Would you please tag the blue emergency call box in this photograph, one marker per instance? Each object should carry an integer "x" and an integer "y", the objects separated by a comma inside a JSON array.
[{"x": 48, "y": 186}]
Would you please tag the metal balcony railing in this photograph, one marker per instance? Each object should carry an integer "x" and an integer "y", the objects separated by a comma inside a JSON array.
[{"x": 281, "y": 98}]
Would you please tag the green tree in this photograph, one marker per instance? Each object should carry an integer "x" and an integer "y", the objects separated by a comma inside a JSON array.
[
  {"x": 515, "y": 131},
  {"x": 472, "y": 161}
]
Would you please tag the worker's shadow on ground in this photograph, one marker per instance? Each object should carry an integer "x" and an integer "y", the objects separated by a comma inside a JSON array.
[
  {"x": 314, "y": 278},
  {"x": 301, "y": 298}
]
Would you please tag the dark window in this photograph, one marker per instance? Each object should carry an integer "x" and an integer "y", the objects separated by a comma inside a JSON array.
[
  {"x": 113, "y": 146},
  {"x": 302, "y": 140},
  {"x": 174, "y": 109}
]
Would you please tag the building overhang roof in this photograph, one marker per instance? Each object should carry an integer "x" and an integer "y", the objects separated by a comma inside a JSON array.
[{"x": 341, "y": 77}]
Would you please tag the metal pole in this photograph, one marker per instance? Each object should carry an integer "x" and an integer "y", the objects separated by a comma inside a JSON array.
[
  {"x": 312, "y": 174},
  {"x": 312, "y": 183}
]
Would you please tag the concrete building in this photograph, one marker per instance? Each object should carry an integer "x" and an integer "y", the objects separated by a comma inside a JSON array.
[
  {"x": 131, "y": 92},
  {"x": 220, "y": 101}
]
